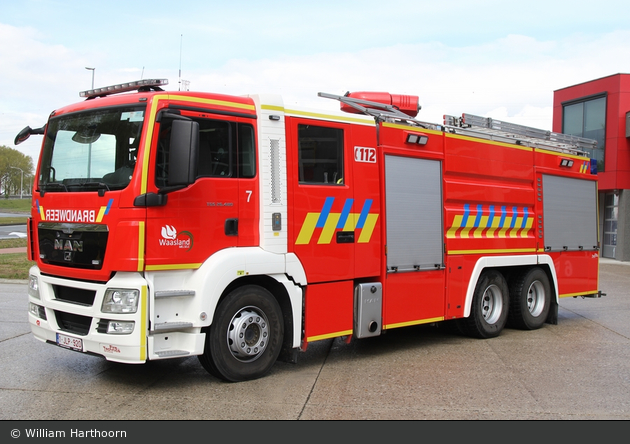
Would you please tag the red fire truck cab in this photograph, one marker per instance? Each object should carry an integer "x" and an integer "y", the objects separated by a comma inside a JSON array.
[{"x": 239, "y": 229}]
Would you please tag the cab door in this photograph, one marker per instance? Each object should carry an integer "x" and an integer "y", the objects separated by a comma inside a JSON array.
[
  {"x": 323, "y": 202},
  {"x": 217, "y": 211}
]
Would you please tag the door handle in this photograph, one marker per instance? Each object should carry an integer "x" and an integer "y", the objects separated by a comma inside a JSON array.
[
  {"x": 345, "y": 237},
  {"x": 231, "y": 227}
]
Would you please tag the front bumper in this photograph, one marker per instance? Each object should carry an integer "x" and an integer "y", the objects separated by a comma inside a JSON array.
[{"x": 68, "y": 313}]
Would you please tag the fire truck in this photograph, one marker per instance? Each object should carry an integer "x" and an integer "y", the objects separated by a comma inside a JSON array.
[{"x": 239, "y": 229}]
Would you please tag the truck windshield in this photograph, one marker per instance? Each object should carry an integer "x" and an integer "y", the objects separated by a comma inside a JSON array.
[{"x": 91, "y": 150}]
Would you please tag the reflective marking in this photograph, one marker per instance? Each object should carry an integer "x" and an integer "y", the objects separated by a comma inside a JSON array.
[
  {"x": 307, "y": 229},
  {"x": 330, "y": 222},
  {"x": 364, "y": 213},
  {"x": 104, "y": 210},
  {"x": 329, "y": 228},
  {"x": 325, "y": 212},
  {"x": 487, "y": 223},
  {"x": 143, "y": 325},
  {"x": 40, "y": 210},
  {"x": 368, "y": 228},
  {"x": 344, "y": 213},
  {"x": 140, "y": 246},
  {"x": 329, "y": 335},
  {"x": 480, "y": 221}
]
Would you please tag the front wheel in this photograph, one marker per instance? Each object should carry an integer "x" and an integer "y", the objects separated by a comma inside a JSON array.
[
  {"x": 490, "y": 304},
  {"x": 245, "y": 338}
]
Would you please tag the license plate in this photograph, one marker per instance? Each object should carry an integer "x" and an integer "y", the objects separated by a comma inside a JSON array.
[{"x": 69, "y": 342}]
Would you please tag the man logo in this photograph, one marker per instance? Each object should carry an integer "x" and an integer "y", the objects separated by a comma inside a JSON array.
[{"x": 68, "y": 245}]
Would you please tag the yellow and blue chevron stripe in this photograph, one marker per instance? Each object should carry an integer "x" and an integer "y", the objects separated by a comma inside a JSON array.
[
  {"x": 103, "y": 211},
  {"x": 490, "y": 222},
  {"x": 328, "y": 222}
]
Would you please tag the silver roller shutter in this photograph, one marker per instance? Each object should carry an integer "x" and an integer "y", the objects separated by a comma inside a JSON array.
[
  {"x": 414, "y": 213},
  {"x": 570, "y": 213}
]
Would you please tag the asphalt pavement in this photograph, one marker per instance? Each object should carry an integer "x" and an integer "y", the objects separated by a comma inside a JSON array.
[
  {"x": 576, "y": 370},
  {"x": 14, "y": 231}
]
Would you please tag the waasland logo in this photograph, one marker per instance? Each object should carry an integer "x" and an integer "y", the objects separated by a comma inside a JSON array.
[{"x": 171, "y": 238}]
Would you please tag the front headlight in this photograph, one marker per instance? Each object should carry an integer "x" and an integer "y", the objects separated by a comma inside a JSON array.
[
  {"x": 120, "y": 328},
  {"x": 120, "y": 300},
  {"x": 33, "y": 286},
  {"x": 37, "y": 310}
]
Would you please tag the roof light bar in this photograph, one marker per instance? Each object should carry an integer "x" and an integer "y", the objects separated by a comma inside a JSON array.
[{"x": 125, "y": 87}]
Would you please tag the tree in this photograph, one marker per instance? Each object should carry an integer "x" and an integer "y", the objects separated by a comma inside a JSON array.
[{"x": 11, "y": 180}]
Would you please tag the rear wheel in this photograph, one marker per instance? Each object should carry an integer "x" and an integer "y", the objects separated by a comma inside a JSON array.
[
  {"x": 489, "y": 309},
  {"x": 245, "y": 338},
  {"x": 531, "y": 300}
]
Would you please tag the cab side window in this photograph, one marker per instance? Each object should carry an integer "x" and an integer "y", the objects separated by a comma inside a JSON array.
[
  {"x": 226, "y": 149},
  {"x": 215, "y": 146},
  {"x": 320, "y": 155}
]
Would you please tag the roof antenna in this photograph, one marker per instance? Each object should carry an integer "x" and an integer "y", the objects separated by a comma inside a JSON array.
[{"x": 181, "y": 37}]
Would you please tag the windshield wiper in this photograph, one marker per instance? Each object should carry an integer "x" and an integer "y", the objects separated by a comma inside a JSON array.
[
  {"x": 100, "y": 186},
  {"x": 49, "y": 186},
  {"x": 59, "y": 186}
]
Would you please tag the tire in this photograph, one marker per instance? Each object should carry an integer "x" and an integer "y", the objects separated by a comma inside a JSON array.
[
  {"x": 490, "y": 306},
  {"x": 245, "y": 338},
  {"x": 531, "y": 300}
]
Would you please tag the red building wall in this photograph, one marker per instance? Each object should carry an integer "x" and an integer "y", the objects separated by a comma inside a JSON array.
[{"x": 617, "y": 156}]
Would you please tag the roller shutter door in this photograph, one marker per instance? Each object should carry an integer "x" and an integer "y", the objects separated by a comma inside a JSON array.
[
  {"x": 570, "y": 213},
  {"x": 414, "y": 213}
]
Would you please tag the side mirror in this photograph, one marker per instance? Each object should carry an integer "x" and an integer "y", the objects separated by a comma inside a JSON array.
[
  {"x": 26, "y": 132},
  {"x": 184, "y": 153}
]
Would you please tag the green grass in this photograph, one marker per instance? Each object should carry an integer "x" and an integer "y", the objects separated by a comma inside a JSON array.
[
  {"x": 13, "y": 243},
  {"x": 15, "y": 205},
  {"x": 12, "y": 220},
  {"x": 14, "y": 265}
]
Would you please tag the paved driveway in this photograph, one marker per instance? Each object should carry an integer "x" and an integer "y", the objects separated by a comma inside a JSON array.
[{"x": 576, "y": 370}]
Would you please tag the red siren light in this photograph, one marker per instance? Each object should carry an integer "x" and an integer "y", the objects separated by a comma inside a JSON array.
[{"x": 404, "y": 103}]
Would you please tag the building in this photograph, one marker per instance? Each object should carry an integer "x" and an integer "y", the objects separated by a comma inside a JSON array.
[{"x": 600, "y": 109}]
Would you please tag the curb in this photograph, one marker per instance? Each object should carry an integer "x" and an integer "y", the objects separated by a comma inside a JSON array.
[
  {"x": 13, "y": 281},
  {"x": 13, "y": 250}
]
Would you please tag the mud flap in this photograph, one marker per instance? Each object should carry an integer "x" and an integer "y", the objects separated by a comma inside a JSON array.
[{"x": 552, "y": 317}]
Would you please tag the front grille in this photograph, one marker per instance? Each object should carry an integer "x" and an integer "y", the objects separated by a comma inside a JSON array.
[
  {"x": 73, "y": 245},
  {"x": 74, "y": 295},
  {"x": 73, "y": 323}
]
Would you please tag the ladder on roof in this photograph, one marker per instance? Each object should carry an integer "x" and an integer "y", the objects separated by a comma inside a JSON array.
[
  {"x": 477, "y": 126},
  {"x": 488, "y": 128}
]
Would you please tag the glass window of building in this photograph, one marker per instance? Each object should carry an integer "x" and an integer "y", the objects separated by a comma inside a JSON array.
[
  {"x": 611, "y": 213},
  {"x": 587, "y": 118}
]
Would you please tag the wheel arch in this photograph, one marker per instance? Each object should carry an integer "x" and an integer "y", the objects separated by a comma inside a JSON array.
[
  {"x": 281, "y": 274},
  {"x": 277, "y": 286},
  {"x": 508, "y": 266}
]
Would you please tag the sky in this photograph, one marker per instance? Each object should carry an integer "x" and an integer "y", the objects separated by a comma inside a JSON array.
[{"x": 501, "y": 59}]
